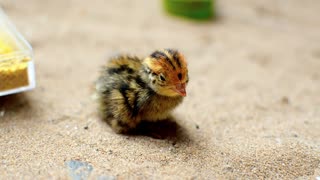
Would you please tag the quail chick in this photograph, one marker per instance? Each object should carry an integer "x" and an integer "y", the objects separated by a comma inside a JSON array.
[{"x": 131, "y": 89}]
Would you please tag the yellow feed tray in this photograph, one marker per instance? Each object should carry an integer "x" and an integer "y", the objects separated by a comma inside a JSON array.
[{"x": 16, "y": 60}]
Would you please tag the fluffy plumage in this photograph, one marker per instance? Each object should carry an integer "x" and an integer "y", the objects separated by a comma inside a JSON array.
[{"x": 131, "y": 89}]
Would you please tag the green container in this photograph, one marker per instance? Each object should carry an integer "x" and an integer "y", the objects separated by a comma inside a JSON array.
[{"x": 193, "y": 9}]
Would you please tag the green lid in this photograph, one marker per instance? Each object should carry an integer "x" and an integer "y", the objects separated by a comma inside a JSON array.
[{"x": 194, "y": 9}]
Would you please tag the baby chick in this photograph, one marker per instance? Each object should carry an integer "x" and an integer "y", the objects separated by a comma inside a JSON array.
[{"x": 131, "y": 89}]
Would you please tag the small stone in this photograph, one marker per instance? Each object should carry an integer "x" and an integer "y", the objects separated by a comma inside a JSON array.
[
  {"x": 228, "y": 169},
  {"x": 86, "y": 128},
  {"x": 2, "y": 113},
  {"x": 285, "y": 100},
  {"x": 197, "y": 126},
  {"x": 79, "y": 169}
]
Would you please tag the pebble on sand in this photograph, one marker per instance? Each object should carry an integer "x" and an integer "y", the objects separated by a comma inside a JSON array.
[{"x": 2, "y": 113}]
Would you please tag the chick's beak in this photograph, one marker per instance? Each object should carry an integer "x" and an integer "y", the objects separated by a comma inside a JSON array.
[{"x": 181, "y": 89}]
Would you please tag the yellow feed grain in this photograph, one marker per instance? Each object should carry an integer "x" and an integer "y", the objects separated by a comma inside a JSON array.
[
  {"x": 14, "y": 76},
  {"x": 13, "y": 71}
]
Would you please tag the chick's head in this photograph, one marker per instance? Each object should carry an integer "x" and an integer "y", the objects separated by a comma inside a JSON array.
[{"x": 167, "y": 72}]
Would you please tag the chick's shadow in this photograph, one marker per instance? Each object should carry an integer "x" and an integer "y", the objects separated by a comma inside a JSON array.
[{"x": 165, "y": 129}]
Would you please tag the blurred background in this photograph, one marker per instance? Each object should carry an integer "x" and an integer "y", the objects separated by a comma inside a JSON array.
[{"x": 253, "y": 105}]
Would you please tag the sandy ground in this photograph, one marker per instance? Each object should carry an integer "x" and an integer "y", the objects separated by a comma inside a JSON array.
[{"x": 253, "y": 105}]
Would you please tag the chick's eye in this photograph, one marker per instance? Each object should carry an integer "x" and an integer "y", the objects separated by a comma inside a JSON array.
[{"x": 162, "y": 78}]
